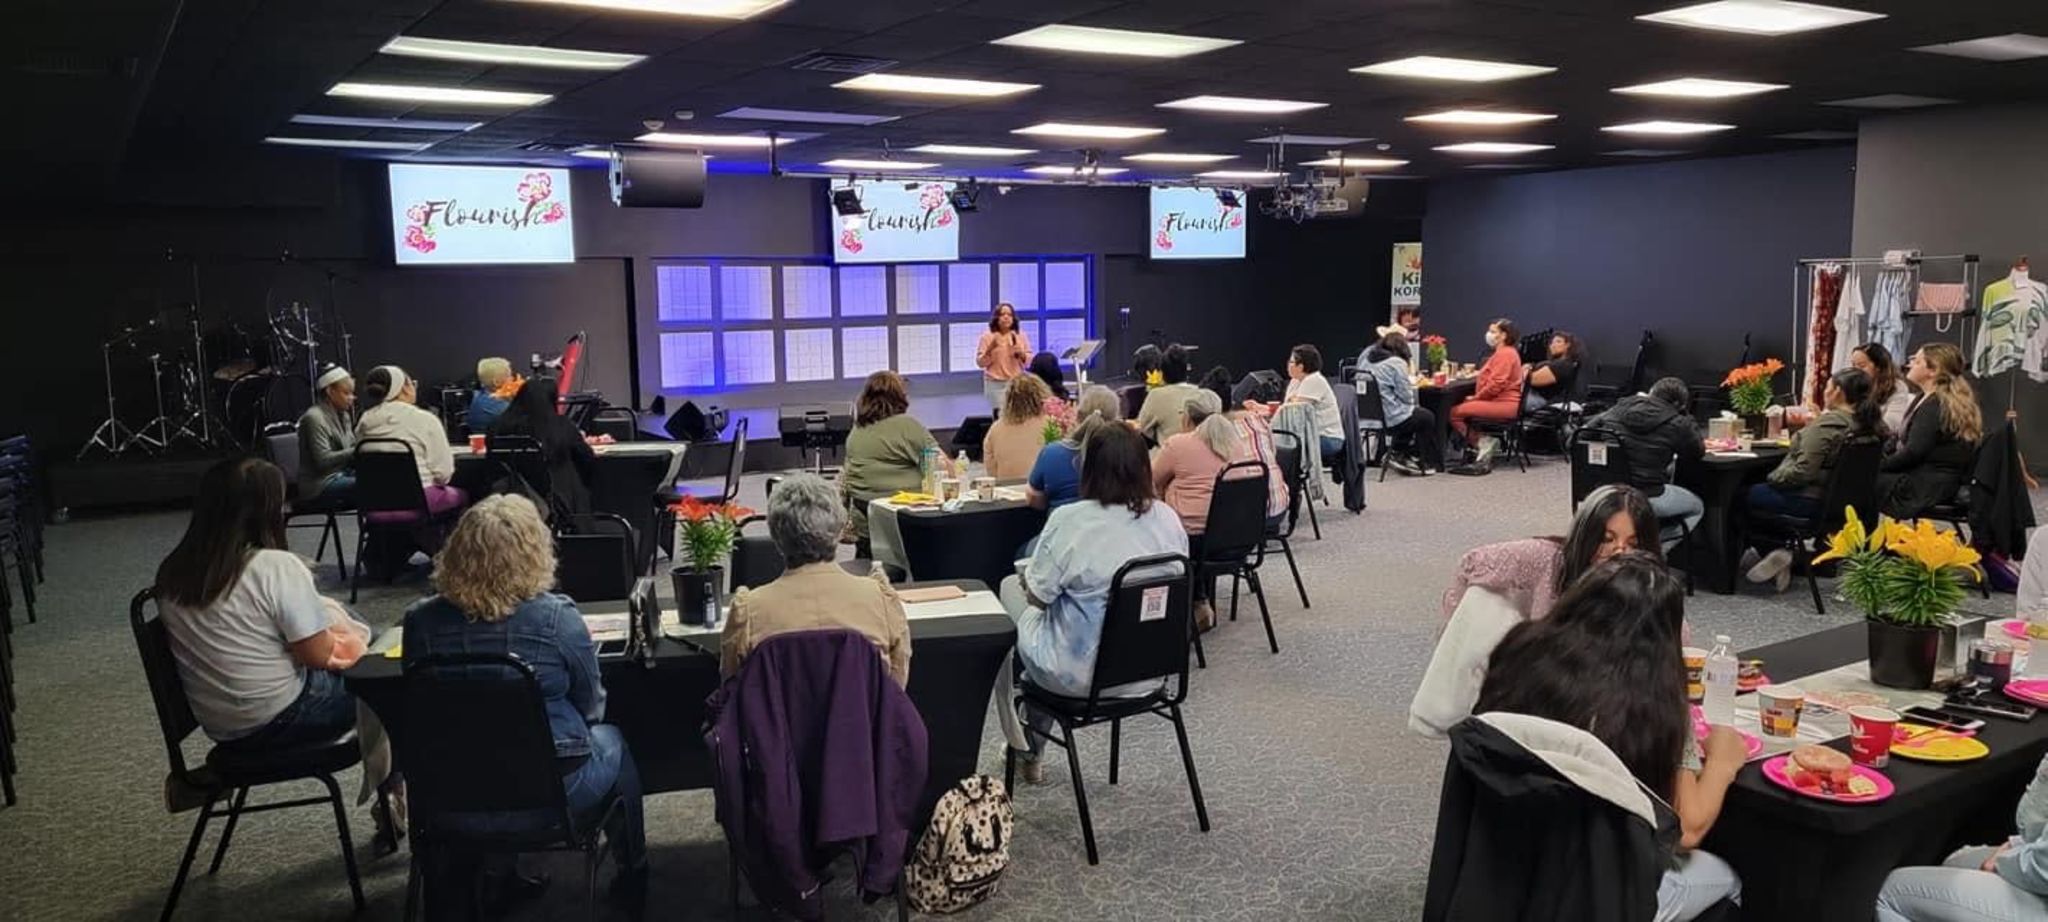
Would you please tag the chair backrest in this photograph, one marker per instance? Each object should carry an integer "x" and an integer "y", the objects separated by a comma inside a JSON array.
[
  {"x": 475, "y": 738},
  {"x": 1372, "y": 414},
  {"x": 387, "y": 478},
  {"x": 173, "y": 710},
  {"x": 283, "y": 448},
  {"x": 594, "y": 557},
  {"x": 1347, "y": 370},
  {"x": 1236, "y": 525},
  {"x": 1599, "y": 458},
  {"x": 617, "y": 422},
  {"x": 1287, "y": 454},
  {"x": 522, "y": 455},
  {"x": 1146, "y": 625},
  {"x": 756, "y": 561},
  {"x": 1131, "y": 398},
  {"x": 738, "y": 463},
  {"x": 1852, "y": 483}
]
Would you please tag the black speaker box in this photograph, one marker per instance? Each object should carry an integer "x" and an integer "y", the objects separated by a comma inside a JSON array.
[
  {"x": 691, "y": 424},
  {"x": 645, "y": 177},
  {"x": 1262, "y": 386}
]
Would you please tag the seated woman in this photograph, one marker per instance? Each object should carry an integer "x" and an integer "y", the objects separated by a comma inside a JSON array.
[
  {"x": 885, "y": 451},
  {"x": 1937, "y": 446},
  {"x": 1551, "y": 380},
  {"x": 495, "y": 386},
  {"x": 1407, "y": 424},
  {"x": 1656, "y": 429},
  {"x": 1012, "y": 444},
  {"x": 388, "y": 413},
  {"x": 1794, "y": 486},
  {"x": 2007, "y": 882},
  {"x": 1159, "y": 416},
  {"x": 1501, "y": 585},
  {"x": 1498, "y": 394},
  {"x": 571, "y": 464},
  {"x": 1055, "y": 478},
  {"x": 805, "y": 518},
  {"x": 1184, "y": 475},
  {"x": 256, "y": 644},
  {"x": 327, "y": 439},
  {"x": 1306, "y": 385},
  {"x": 1607, "y": 661},
  {"x": 492, "y": 577},
  {"x": 1060, "y": 601},
  {"x": 1046, "y": 367},
  {"x": 1891, "y": 394}
]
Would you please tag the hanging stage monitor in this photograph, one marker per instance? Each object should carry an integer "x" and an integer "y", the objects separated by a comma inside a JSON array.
[
  {"x": 1197, "y": 222},
  {"x": 455, "y": 215},
  {"x": 893, "y": 221}
]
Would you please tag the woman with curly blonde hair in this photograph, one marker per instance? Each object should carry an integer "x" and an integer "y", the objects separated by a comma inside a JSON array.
[{"x": 494, "y": 575}]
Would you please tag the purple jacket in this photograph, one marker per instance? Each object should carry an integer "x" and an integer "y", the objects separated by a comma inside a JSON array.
[{"x": 818, "y": 750}]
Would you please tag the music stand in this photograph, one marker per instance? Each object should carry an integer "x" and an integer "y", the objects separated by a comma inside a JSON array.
[
  {"x": 1080, "y": 356},
  {"x": 815, "y": 427}
]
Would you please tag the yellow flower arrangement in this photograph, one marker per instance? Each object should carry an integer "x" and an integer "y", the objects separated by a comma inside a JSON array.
[{"x": 1905, "y": 574}]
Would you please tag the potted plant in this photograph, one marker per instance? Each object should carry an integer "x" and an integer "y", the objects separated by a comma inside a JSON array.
[
  {"x": 1907, "y": 580},
  {"x": 1435, "y": 351},
  {"x": 1749, "y": 392},
  {"x": 705, "y": 533}
]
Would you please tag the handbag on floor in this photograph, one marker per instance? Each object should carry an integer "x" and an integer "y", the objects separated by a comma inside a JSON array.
[{"x": 965, "y": 849}]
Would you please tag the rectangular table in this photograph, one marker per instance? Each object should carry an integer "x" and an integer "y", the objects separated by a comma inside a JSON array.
[
  {"x": 1721, "y": 481},
  {"x": 1804, "y": 859},
  {"x": 658, "y": 704}
]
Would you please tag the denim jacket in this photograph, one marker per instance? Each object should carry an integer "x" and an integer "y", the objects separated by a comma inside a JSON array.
[{"x": 547, "y": 632}]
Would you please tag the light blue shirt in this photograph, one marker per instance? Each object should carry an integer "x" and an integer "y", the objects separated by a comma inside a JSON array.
[
  {"x": 1397, "y": 392},
  {"x": 1079, "y": 552},
  {"x": 2026, "y": 865}
]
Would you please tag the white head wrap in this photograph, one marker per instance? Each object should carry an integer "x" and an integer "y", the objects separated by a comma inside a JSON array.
[
  {"x": 398, "y": 379},
  {"x": 332, "y": 376}
]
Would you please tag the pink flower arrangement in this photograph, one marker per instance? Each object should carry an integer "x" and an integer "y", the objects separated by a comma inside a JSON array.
[{"x": 535, "y": 187}]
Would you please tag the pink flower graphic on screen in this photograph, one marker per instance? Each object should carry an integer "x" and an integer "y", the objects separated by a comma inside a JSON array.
[
  {"x": 535, "y": 187},
  {"x": 932, "y": 197},
  {"x": 1163, "y": 241},
  {"x": 417, "y": 238},
  {"x": 554, "y": 213},
  {"x": 850, "y": 241},
  {"x": 945, "y": 218},
  {"x": 1237, "y": 219},
  {"x": 417, "y": 214}
]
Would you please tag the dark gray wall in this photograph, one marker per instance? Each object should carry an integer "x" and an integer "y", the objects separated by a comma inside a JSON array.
[
  {"x": 1963, "y": 181},
  {"x": 1699, "y": 252}
]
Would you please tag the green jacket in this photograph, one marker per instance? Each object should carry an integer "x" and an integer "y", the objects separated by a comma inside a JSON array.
[{"x": 1814, "y": 448}]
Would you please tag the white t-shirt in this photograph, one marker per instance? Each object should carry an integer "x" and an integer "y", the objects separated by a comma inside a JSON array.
[
  {"x": 234, "y": 656},
  {"x": 1315, "y": 387}
]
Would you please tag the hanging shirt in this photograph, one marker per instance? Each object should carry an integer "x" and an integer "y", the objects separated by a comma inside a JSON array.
[
  {"x": 2014, "y": 325},
  {"x": 1887, "y": 319},
  {"x": 1849, "y": 319},
  {"x": 1820, "y": 327}
]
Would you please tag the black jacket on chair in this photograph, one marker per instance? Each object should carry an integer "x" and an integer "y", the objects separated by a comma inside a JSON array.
[
  {"x": 1929, "y": 465},
  {"x": 2000, "y": 509},
  {"x": 1539, "y": 822},
  {"x": 1654, "y": 432}
]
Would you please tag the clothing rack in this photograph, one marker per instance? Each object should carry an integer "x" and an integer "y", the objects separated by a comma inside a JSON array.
[{"x": 1966, "y": 265}]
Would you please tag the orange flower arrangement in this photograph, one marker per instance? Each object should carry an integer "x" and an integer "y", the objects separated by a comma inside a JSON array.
[
  {"x": 1749, "y": 387},
  {"x": 708, "y": 530}
]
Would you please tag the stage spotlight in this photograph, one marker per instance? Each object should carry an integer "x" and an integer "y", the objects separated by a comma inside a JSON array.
[
  {"x": 967, "y": 197},
  {"x": 846, "y": 202},
  {"x": 1227, "y": 198}
]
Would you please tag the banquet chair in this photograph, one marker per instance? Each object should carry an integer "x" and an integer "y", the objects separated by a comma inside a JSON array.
[
  {"x": 1372, "y": 423},
  {"x": 1613, "y": 468},
  {"x": 228, "y": 775},
  {"x": 1513, "y": 433},
  {"x": 390, "y": 501},
  {"x": 1139, "y": 643},
  {"x": 665, "y": 499},
  {"x": 475, "y": 739},
  {"x": 594, "y": 557},
  {"x": 1287, "y": 453},
  {"x": 756, "y": 561},
  {"x": 283, "y": 446},
  {"x": 525, "y": 466},
  {"x": 1955, "y": 513},
  {"x": 1851, "y": 485},
  {"x": 1234, "y": 540},
  {"x": 1281, "y": 535},
  {"x": 14, "y": 542},
  {"x": 17, "y": 460}
]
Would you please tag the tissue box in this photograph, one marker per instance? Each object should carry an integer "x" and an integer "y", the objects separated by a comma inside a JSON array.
[{"x": 1721, "y": 427}]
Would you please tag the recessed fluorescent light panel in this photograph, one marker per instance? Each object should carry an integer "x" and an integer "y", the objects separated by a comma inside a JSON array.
[
  {"x": 1645, "y": 152},
  {"x": 1465, "y": 70},
  {"x": 710, "y": 9},
  {"x": 711, "y": 140},
  {"x": 490, "y": 53},
  {"x": 1076, "y": 170},
  {"x": 851, "y": 163},
  {"x": 1242, "y": 104},
  {"x": 1760, "y": 17},
  {"x": 398, "y": 124},
  {"x": 1699, "y": 88},
  {"x": 1319, "y": 140},
  {"x": 755, "y": 113},
  {"x": 971, "y": 150},
  {"x": 1180, "y": 158},
  {"x": 1090, "y": 40},
  {"x": 1357, "y": 163},
  {"x": 1241, "y": 174},
  {"x": 1096, "y": 132},
  {"x": 1493, "y": 147},
  {"x": 453, "y": 95},
  {"x": 1667, "y": 127},
  {"x": 349, "y": 144},
  {"x": 2017, "y": 46},
  {"x": 1890, "y": 101},
  {"x": 1481, "y": 117},
  {"x": 933, "y": 86}
]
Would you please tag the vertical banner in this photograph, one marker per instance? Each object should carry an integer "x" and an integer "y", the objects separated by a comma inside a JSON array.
[{"x": 1407, "y": 274}]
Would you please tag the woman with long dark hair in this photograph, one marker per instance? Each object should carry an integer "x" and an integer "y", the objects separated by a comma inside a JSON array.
[
  {"x": 571, "y": 463},
  {"x": 1551, "y": 380},
  {"x": 254, "y": 640},
  {"x": 1607, "y": 661},
  {"x": 1001, "y": 353},
  {"x": 1794, "y": 486},
  {"x": 1887, "y": 390}
]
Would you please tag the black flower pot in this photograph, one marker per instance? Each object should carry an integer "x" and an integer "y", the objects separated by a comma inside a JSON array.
[
  {"x": 1901, "y": 656},
  {"x": 698, "y": 594},
  {"x": 1758, "y": 425}
]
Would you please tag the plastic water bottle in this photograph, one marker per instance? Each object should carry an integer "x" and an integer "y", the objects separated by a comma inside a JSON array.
[
  {"x": 960, "y": 466},
  {"x": 1720, "y": 682},
  {"x": 928, "y": 464}
]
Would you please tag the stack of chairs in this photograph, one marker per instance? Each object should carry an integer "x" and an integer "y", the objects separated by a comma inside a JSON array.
[{"x": 22, "y": 512}]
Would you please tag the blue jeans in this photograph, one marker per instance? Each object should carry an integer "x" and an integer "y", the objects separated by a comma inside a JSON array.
[
  {"x": 1770, "y": 500},
  {"x": 1333, "y": 448},
  {"x": 337, "y": 488},
  {"x": 1677, "y": 502},
  {"x": 1957, "y": 892},
  {"x": 1692, "y": 888},
  {"x": 323, "y": 711}
]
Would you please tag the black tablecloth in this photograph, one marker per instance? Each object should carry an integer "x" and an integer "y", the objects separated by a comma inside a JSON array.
[
  {"x": 1721, "y": 482},
  {"x": 659, "y": 706},
  {"x": 1440, "y": 400},
  {"x": 980, "y": 541},
  {"x": 1806, "y": 860},
  {"x": 626, "y": 482}
]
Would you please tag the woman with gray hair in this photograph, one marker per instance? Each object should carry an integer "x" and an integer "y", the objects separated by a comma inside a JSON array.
[
  {"x": 1055, "y": 478},
  {"x": 1184, "y": 472},
  {"x": 805, "y": 518}
]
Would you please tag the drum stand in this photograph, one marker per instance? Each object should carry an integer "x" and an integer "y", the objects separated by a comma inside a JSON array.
[
  {"x": 112, "y": 436},
  {"x": 197, "y": 395},
  {"x": 161, "y": 423}
]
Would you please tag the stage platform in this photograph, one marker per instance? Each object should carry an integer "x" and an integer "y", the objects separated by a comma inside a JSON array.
[
  {"x": 102, "y": 484},
  {"x": 941, "y": 413}
]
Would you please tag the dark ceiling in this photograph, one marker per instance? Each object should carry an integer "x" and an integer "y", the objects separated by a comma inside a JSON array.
[{"x": 111, "y": 87}]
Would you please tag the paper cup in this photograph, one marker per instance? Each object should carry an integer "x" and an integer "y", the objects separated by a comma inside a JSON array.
[
  {"x": 985, "y": 489},
  {"x": 1777, "y": 710},
  {"x": 1695, "y": 675},
  {"x": 1871, "y": 730},
  {"x": 476, "y": 444},
  {"x": 949, "y": 489}
]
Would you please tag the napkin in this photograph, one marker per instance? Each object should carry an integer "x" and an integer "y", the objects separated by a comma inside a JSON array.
[{"x": 907, "y": 498}]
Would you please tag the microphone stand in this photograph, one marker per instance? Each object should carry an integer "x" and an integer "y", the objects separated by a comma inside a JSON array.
[{"x": 112, "y": 436}]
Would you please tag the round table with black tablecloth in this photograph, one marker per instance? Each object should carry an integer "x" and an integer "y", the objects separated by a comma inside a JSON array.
[
  {"x": 629, "y": 474},
  {"x": 1439, "y": 399},
  {"x": 977, "y": 541}
]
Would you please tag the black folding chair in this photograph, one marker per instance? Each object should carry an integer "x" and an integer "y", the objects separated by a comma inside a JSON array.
[
  {"x": 1287, "y": 453},
  {"x": 1234, "y": 540},
  {"x": 1513, "y": 433},
  {"x": 756, "y": 561},
  {"x": 1600, "y": 458},
  {"x": 594, "y": 557},
  {"x": 326, "y": 513},
  {"x": 1288, "y": 458},
  {"x": 1852, "y": 484},
  {"x": 1145, "y": 633},
  {"x": 475, "y": 739},
  {"x": 665, "y": 499},
  {"x": 1372, "y": 423},
  {"x": 389, "y": 498},
  {"x": 14, "y": 542},
  {"x": 229, "y": 774},
  {"x": 17, "y": 460}
]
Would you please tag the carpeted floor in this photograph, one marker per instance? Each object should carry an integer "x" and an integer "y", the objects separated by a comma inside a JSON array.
[{"x": 1323, "y": 806}]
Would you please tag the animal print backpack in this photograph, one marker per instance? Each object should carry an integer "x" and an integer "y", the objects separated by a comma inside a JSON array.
[{"x": 963, "y": 853}]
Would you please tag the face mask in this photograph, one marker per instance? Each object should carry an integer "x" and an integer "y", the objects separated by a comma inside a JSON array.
[{"x": 1492, "y": 339}]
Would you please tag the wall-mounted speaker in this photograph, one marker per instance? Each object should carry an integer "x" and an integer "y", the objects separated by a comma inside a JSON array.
[{"x": 644, "y": 177}]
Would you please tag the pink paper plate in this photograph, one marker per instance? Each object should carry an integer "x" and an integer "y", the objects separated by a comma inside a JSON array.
[
  {"x": 1750, "y": 743},
  {"x": 1775, "y": 771},
  {"x": 2014, "y": 628},
  {"x": 2031, "y": 691}
]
